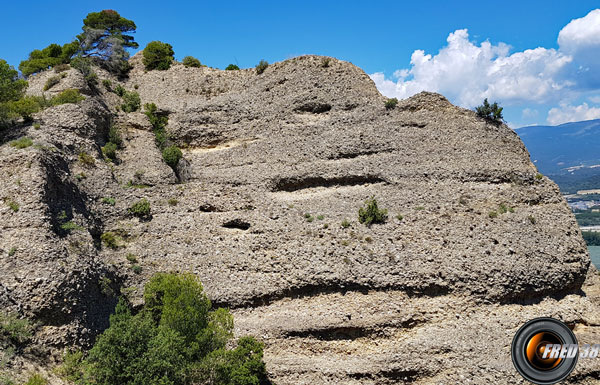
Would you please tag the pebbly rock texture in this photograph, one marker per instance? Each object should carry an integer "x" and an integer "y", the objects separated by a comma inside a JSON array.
[{"x": 476, "y": 241}]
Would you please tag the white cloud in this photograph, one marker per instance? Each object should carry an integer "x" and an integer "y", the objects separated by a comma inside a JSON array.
[
  {"x": 568, "y": 113},
  {"x": 595, "y": 99},
  {"x": 529, "y": 113},
  {"x": 581, "y": 33},
  {"x": 467, "y": 72}
]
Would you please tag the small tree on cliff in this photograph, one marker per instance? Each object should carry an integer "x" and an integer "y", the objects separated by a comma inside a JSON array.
[{"x": 490, "y": 112}]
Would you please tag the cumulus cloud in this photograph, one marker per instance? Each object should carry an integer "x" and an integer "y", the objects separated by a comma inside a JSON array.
[
  {"x": 568, "y": 113},
  {"x": 467, "y": 72}
]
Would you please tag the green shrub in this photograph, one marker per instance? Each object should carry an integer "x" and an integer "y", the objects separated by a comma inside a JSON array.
[
  {"x": 51, "y": 56},
  {"x": 12, "y": 251},
  {"x": 493, "y": 214},
  {"x": 137, "y": 269},
  {"x": 109, "y": 201},
  {"x": 176, "y": 338},
  {"x": 232, "y": 67},
  {"x": 140, "y": 208},
  {"x": 390, "y": 104},
  {"x": 261, "y": 66},
  {"x": 345, "y": 224},
  {"x": 539, "y": 176},
  {"x": 14, "y": 329},
  {"x": 51, "y": 82},
  {"x": 114, "y": 136},
  {"x": 14, "y": 206},
  {"x": 72, "y": 367},
  {"x": 110, "y": 240},
  {"x": 158, "y": 56},
  {"x": 70, "y": 225},
  {"x": 131, "y": 258},
  {"x": 107, "y": 84},
  {"x": 371, "y": 213},
  {"x": 84, "y": 65},
  {"x": 490, "y": 112},
  {"x": 131, "y": 101},
  {"x": 399, "y": 217},
  {"x": 37, "y": 126},
  {"x": 67, "y": 96},
  {"x": 25, "y": 107},
  {"x": 119, "y": 90},
  {"x": 86, "y": 159},
  {"x": 110, "y": 151},
  {"x": 171, "y": 155},
  {"x": 36, "y": 379},
  {"x": 21, "y": 143},
  {"x": 61, "y": 68},
  {"x": 190, "y": 61},
  {"x": 159, "y": 124}
]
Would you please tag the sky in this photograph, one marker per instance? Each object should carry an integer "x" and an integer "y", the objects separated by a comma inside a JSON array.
[{"x": 539, "y": 59}]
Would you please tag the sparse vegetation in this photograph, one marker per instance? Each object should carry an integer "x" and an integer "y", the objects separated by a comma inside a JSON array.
[
  {"x": 21, "y": 143},
  {"x": 190, "y": 61},
  {"x": 172, "y": 202},
  {"x": 12, "y": 251},
  {"x": 158, "y": 56},
  {"x": 326, "y": 226},
  {"x": 493, "y": 214},
  {"x": 37, "y": 379},
  {"x": 107, "y": 84},
  {"x": 131, "y": 258},
  {"x": 137, "y": 269},
  {"x": 109, "y": 239},
  {"x": 15, "y": 330},
  {"x": 71, "y": 226},
  {"x": 399, "y": 217},
  {"x": 325, "y": 62},
  {"x": 67, "y": 96},
  {"x": 120, "y": 90},
  {"x": 114, "y": 136},
  {"x": 14, "y": 206},
  {"x": 320, "y": 217},
  {"x": 539, "y": 176},
  {"x": 71, "y": 369},
  {"x": 391, "y": 103},
  {"x": 109, "y": 201},
  {"x": 110, "y": 151},
  {"x": 490, "y": 112},
  {"x": 51, "y": 82},
  {"x": 345, "y": 224},
  {"x": 232, "y": 67},
  {"x": 86, "y": 159},
  {"x": 261, "y": 66},
  {"x": 140, "y": 208},
  {"x": 532, "y": 220},
  {"x": 36, "y": 126},
  {"x": 370, "y": 213},
  {"x": 131, "y": 101}
]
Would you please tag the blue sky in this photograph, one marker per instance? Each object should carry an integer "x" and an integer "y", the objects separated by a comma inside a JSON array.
[{"x": 381, "y": 38}]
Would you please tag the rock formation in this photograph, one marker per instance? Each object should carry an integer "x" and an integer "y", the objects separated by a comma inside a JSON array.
[{"x": 476, "y": 241}]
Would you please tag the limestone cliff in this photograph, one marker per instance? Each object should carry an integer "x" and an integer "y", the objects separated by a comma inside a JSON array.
[{"x": 273, "y": 164}]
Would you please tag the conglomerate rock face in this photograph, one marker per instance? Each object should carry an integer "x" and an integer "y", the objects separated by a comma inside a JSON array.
[{"x": 475, "y": 244}]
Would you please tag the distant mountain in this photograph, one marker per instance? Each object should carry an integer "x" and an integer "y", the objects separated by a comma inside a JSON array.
[
  {"x": 568, "y": 153},
  {"x": 558, "y": 149}
]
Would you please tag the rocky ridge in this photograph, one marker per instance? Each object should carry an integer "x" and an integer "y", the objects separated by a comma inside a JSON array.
[{"x": 432, "y": 296}]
